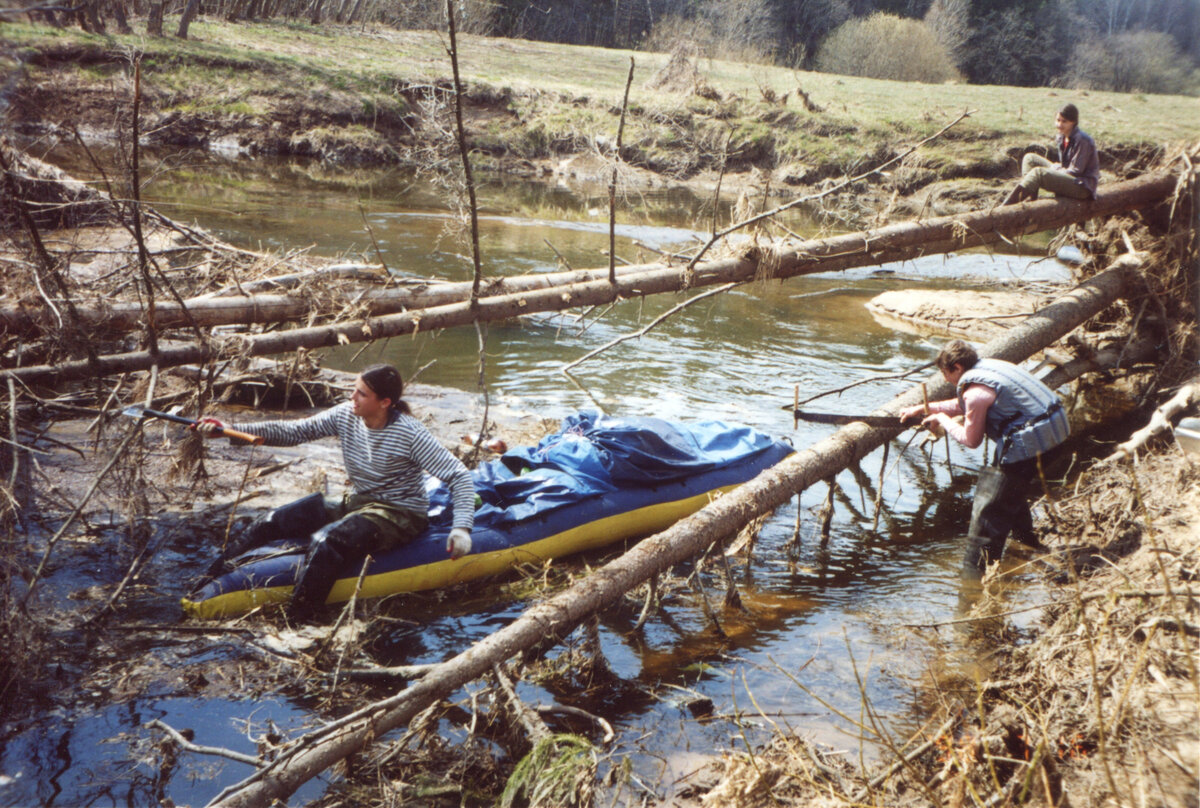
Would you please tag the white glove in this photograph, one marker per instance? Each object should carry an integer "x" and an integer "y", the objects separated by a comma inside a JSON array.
[{"x": 458, "y": 543}]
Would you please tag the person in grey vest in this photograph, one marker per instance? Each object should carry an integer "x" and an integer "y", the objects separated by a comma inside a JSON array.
[
  {"x": 1075, "y": 175},
  {"x": 386, "y": 452},
  {"x": 1023, "y": 418}
]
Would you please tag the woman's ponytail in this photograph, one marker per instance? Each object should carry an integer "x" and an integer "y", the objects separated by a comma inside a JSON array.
[{"x": 385, "y": 381}]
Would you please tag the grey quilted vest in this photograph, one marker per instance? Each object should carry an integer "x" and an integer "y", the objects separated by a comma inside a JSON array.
[{"x": 1026, "y": 419}]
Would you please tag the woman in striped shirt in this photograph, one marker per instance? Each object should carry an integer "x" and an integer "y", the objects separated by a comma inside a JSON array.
[{"x": 385, "y": 450}]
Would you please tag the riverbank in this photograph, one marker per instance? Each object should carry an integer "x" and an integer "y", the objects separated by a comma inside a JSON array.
[{"x": 381, "y": 97}]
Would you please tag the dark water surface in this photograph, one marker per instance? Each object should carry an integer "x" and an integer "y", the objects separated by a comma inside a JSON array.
[{"x": 822, "y": 624}]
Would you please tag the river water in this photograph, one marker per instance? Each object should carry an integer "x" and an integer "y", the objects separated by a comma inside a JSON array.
[{"x": 823, "y": 623}]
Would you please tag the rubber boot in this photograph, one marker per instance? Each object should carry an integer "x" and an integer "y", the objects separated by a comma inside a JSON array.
[
  {"x": 1022, "y": 531},
  {"x": 1017, "y": 194},
  {"x": 318, "y": 573},
  {"x": 352, "y": 537},
  {"x": 981, "y": 551},
  {"x": 294, "y": 520},
  {"x": 990, "y": 522}
]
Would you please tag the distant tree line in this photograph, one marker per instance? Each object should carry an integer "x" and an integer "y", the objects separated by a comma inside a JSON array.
[{"x": 1125, "y": 45}]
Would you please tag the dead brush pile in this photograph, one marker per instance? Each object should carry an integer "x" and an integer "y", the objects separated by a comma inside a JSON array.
[
  {"x": 681, "y": 75},
  {"x": 1165, "y": 305},
  {"x": 1103, "y": 707},
  {"x": 1112, "y": 682}
]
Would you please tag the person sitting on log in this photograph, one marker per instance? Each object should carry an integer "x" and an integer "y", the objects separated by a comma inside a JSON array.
[
  {"x": 1077, "y": 171},
  {"x": 385, "y": 450},
  {"x": 1024, "y": 419}
]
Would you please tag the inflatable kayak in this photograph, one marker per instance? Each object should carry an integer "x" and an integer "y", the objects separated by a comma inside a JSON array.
[{"x": 596, "y": 481}]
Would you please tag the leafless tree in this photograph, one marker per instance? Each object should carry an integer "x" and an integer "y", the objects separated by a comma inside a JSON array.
[
  {"x": 1142, "y": 61},
  {"x": 950, "y": 22},
  {"x": 884, "y": 46}
]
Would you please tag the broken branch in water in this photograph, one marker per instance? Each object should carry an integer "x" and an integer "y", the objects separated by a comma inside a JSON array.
[
  {"x": 641, "y": 332},
  {"x": 562, "y": 709},
  {"x": 185, "y": 743},
  {"x": 389, "y": 673},
  {"x": 534, "y": 727}
]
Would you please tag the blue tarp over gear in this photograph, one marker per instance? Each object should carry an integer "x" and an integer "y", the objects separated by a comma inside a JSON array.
[{"x": 595, "y": 454}]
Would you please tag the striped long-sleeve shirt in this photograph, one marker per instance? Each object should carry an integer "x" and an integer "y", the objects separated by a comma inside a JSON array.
[{"x": 383, "y": 464}]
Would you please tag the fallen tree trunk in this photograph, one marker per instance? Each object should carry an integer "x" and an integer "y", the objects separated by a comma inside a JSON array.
[
  {"x": 896, "y": 242},
  {"x": 652, "y": 556},
  {"x": 214, "y": 310},
  {"x": 893, "y": 243}
]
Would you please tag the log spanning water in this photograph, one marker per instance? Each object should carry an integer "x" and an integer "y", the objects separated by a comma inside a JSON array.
[
  {"x": 556, "y": 617},
  {"x": 448, "y": 305}
]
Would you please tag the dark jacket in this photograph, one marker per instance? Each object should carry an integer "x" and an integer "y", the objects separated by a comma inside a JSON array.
[{"x": 1078, "y": 158}]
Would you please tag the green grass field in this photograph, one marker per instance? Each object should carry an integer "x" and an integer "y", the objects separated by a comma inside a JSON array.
[{"x": 557, "y": 97}]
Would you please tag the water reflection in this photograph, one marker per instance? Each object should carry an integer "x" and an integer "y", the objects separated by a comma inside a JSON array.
[{"x": 102, "y": 754}]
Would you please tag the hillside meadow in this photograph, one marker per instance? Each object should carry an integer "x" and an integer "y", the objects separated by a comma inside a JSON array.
[{"x": 364, "y": 96}]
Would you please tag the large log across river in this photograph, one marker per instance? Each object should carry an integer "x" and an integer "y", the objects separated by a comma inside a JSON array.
[
  {"x": 686, "y": 539},
  {"x": 530, "y": 294}
]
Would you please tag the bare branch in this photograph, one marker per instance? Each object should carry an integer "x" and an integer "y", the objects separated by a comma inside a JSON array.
[
  {"x": 462, "y": 149},
  {"x": 612, "y": 186},
  {"x": 1188, "y": 396},
  {"x": 216, "y": 751},
  {"x": 655, "y": 322},
  {"x": 831, "y": 190}
]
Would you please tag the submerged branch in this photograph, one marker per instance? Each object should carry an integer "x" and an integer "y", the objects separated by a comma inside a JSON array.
[
  {"x": 641, "y": 332},
  {"x": 185, "y": 744}
]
